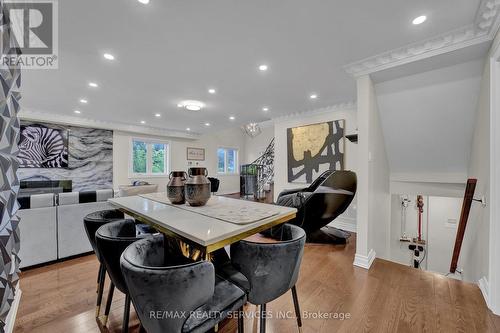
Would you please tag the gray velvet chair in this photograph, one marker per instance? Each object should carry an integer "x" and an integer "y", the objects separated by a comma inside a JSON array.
[
  {"x": 111, "y": 240},
  {"x": 160, "y": 282},
  {"x": 267, "y": 270},
  {"x": 92, "y": 222}
]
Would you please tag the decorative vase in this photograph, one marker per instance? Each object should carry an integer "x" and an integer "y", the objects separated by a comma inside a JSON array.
[
  {"x": 197, "y": 187},
  {"x": 175, "y": 187}
]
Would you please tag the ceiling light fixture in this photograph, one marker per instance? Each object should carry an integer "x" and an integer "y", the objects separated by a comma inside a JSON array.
[
  {"x": 265, "y": 109},
  {"x": 77, "y": 111},
  {"x": 83, "y": 101},
  {"x": 191, "y": 105},
  {"x": 252, "y": 129},
  {"x": 93, "y": 85},
  {"x": 263, "y": 68},
  {"x": 419, "y": 20},
  {"x": 211, "y": 91},
  {"x": 144, "y": 2},
  {"x": 313, "y": 96},
  {"x": 232, "y": 118},
  {"x": 207, "y": 124},
  {"x": 108, "y": 56},
  {"x": 157, "y": 115},
  {"x": 143, "y": 122},
  {"x": 188, "y": 129}
]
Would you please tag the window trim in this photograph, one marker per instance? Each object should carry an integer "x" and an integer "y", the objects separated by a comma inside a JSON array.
[
  {"x": 149, "y": 158},
  {"x": 237, "y": 161}
]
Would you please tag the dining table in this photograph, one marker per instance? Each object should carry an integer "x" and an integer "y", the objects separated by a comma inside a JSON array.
[{"x": 203, "y": 230}]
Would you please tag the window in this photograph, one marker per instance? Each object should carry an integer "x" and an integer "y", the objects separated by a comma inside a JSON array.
[
  {"x": 149, "y": 158},
  {"x": 227, "y": 160}
]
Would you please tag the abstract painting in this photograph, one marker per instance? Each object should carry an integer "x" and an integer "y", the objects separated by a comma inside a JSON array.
[
  {"x": 43, "y": 147},
  {"x": 313, "y": 149}
]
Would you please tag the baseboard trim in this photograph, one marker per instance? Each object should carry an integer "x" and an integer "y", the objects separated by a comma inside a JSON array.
[
  {"x": 343, "y": 223},
  {"x": 364, "y": 261},
  {"x": 484, "y": 286},
  {"x": 11, "y": 317}
]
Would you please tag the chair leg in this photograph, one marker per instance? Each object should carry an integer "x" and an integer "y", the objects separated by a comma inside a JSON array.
[
  {"x": 240, "y": 320},
  {"x": 126, "y": 314},
  {"x": 297, "y": 308},
  {"x": 99, "y": 276},
  {"x": 108, "y": 303},
  {"x": 100, "y": 291},
  {"x": 263, "y": 318}
]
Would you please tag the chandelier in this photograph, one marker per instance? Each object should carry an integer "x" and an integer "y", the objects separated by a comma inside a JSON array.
[{"x": 252, "y": 129}]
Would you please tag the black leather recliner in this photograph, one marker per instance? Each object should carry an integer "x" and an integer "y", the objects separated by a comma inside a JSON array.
[{"x": 321, "y": 203}]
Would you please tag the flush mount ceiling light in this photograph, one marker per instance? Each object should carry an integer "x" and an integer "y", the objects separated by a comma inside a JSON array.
[
  {"x": 93, "y": 85},
  {"x": 188, "y": 129},
  {"x": 83, "y": 101},
  {"x": 207, "y": 124},
  {"x": 191, "y": 105},
  {"x": 419, "y": 20},
  {"x": 313, "y": 96},
  {"x": 157, "y": 115},
  {"x": 143, "y": 122},
  {"x": 77, "y": 111},
  {"x": 211, "y": 91},
  {"x": 232, "y": 118},
  {"x": 263, "y": 68},
  {"x": 108, "y": 56},
  {"x": 145, "y": 2},
  {"x": 265, "y": 109}
]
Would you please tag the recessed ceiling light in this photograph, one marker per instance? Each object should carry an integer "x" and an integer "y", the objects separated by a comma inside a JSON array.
[
  {"x": 207, "y": 124},
  {"x": 263, "y": 68},
  {"x": 157, "y": 115},
  {"x": 93, "y": 85},
  {"x": 143, "y": 122},
  {"x": 188, "y": 129},
  {"x": 145, "y": 2},
  {"x": 232, "y": 118},
  {"x": 83, "y": 101},
  {"x": 191, "y": 105},
  {"x": 108, "y": 56},
  {"x": 419, "y": 20},
  {"x": 265, "y": 109},
  {"x": 77, "y": 111},
  {"x": 211, "y": 91},
  {"x": 313, "y": 96}
]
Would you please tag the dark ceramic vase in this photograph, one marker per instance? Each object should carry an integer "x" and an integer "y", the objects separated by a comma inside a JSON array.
[
  {"x": 175, "y": 187},
  {"x": 197, "y": 187}
]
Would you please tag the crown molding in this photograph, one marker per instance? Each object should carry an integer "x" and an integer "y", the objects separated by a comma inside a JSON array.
[
  {"x": 347, "y": 106},
  {"x": 484, "y": 29},
  {"x": 33, "y": 115}
]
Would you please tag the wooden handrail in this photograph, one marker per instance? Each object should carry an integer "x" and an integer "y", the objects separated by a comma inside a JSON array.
[{"x": 464, "y": 216}]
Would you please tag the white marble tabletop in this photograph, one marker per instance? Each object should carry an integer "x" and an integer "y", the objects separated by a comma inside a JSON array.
[{"x": 209, "y": 233}]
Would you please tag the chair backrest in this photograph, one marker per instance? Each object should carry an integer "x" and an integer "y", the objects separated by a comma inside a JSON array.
[
  {"x": 95, "y": 220},
  {"x": 111, "y": 240},
  {"x": 164, "y": 289},
  {"x": 317, "y": 182},
  {"x": 271, "y": 268}
]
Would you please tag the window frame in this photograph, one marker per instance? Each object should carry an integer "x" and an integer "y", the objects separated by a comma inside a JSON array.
[
  {"x": 236, "y": 161},
  {"x": 149, "y": 158}
]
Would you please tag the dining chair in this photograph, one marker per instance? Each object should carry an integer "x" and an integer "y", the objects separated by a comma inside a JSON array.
[
  {"x": 92, "y": 222},
  {"x": 267, "y": 270},
  {"x": 111, "y": 240},
  {"x": 174, "y": 294}
]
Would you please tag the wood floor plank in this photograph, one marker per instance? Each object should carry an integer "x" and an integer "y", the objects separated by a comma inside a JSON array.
[{"x": 387, "y": 298}]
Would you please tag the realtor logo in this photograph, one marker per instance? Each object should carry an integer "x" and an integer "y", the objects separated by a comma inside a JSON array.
[{"x": 34, "y": 28}]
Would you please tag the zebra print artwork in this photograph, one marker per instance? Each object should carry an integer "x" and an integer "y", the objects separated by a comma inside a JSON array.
[{"x": 43, "y": 147}]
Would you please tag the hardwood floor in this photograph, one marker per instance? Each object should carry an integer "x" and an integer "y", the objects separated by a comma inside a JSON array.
[{"x": 388, "y": 298}]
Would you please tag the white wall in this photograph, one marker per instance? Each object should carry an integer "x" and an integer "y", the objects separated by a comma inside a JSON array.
[
  {"x": 283, "y": 123},
  {"x": 255, "y": 147},
  {"x": 373, "y": 205},
  {"x": 231, "y": 138}
]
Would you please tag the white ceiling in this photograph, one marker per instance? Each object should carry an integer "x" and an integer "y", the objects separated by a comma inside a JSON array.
[
  {"x": 428, "y": 120},
  {"x": 168, "y": 51}
]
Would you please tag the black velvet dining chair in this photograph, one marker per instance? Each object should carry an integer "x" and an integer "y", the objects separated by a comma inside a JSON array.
[
  {"x": 111, "y": 240},
  {"x": 92, "y": 222},
  {"x": 267, "y": 270},
  {"x": 161, "y": 282}
]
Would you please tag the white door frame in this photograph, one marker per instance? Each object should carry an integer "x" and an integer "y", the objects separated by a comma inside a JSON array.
[{"x": 494, "y": 201}]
